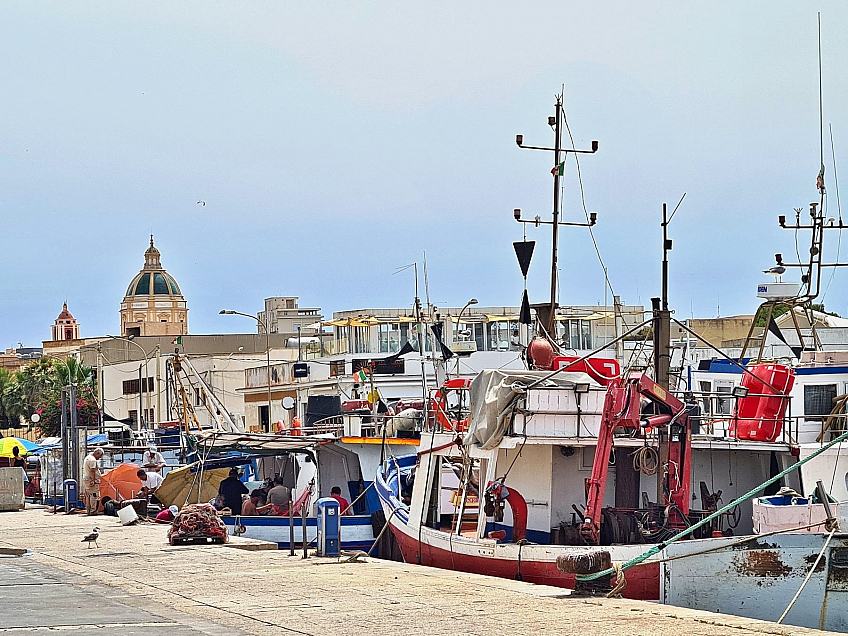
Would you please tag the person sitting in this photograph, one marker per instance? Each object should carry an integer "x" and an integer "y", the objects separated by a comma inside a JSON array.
[
  {"x": 152, "y": 459},
  {"x": 251, "y": 507},
  {"x": 231, "y": 489},
  {"x": 167, "y": 515},
  {"x": 280, "y": 497},
  {"x": 150, "y": 481},
  {"x": 344, "y": 505}
]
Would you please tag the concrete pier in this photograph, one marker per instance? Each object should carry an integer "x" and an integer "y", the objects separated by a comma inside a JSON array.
[{"x": 134, "y": 583}]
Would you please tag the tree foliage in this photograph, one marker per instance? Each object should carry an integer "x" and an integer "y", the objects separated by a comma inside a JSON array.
[{"x": 37, "y": 388}]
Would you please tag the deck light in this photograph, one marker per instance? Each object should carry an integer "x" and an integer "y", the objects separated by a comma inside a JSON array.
[
  {"x": 595, "y": 146},
  {"x": 740, "y": 391},
  {"x": 517, "y": 214},
  {"x": 581, "y": 387},
  {"x": 519, "y": 139}
]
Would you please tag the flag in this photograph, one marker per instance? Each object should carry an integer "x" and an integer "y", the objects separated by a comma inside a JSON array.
[
  {"x": 406, "y": 348},
  {"x": 559, "y": 169},
  {"x": 436, "y": 328},
  {"x": 177, "y": 341},
  {"x": 360, "y": 376},
  {"x": 775, "y": 330}
]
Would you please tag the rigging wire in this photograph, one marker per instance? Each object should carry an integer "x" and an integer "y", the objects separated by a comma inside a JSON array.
[
  {"x": 583, "y": 201},
  {"x": 839, "y": 208}
]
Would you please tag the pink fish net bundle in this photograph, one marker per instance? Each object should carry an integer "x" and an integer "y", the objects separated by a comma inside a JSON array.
[{"x": 197, "y": 521}]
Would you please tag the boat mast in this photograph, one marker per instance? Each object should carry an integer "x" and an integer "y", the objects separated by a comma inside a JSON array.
[{"x": 546, "y": 312}]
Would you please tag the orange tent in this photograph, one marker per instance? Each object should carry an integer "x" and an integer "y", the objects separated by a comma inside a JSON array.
[{"x": 120, "y": 483}]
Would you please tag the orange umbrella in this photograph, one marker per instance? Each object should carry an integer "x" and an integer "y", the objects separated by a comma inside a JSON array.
[{"x": 120, "y": 483}]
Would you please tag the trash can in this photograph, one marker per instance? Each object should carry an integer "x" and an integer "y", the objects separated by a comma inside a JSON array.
[
  {"x": 69, "y": 492},
  {"x": 329, "y": 527}
]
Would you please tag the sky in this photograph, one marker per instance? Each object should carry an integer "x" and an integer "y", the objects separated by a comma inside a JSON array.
[{"x": 336, "y": 142}]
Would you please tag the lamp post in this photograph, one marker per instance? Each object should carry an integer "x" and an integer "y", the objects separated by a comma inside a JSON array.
[
  {"x": 140, "y": 381},
  {"x": 231, "y": 312},
  {"x": 472, "y": 301}
]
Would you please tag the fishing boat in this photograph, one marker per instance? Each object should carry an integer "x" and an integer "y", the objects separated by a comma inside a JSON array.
[{"x": 537, "y": 451}]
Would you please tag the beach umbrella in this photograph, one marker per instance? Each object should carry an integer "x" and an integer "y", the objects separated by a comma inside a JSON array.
[
  {"x": 181, "y": 486},
  {"x": 24, "y": 446},
  {"x": 121, "y": 482}
]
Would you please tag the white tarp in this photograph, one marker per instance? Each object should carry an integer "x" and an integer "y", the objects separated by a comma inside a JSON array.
[{"x": 493, "y": 400}]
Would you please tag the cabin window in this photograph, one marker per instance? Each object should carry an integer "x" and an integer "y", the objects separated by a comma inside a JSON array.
[
  {"x": 818, "y": 399},
  {"x": 723, "y": 406}
]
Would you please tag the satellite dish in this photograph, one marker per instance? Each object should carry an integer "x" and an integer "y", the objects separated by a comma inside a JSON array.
[
  {"x": 288, "y": 403},
  {"x": 35, "y": 418}
]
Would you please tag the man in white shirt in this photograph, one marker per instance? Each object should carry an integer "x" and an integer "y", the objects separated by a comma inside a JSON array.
[
  {"x": 152, "y": 459},
  {"x": 150, "y": 481},
  {"x": 91, "y": 480}
]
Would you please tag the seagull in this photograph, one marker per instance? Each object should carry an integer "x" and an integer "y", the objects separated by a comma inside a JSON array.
[
  {"x": 202, "y": 203},
  {"x": 92, "y": 538},
  {"x": 777, "y": 271}
]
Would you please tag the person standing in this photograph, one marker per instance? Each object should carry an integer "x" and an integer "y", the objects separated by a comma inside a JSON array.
[
  {"x": 91, "y": 480},
  {"x": 231, "y": 489},
  {"x": 152, "y": 459},
  {"x": 17, "y": 460}
]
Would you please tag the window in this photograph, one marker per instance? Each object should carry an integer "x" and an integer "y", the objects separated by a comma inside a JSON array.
[
  {"x": 575, "y": 334},
  {"x": 143, "y": 287},
  {"x": 134, "y": 417},
  {"x": 389, "y": 337},
  {"x": 131, "y": 386},
  {"x": 818, "y": 399},
  {"x": 337, "y": 368},
  {"x": 264, "y": 419},
  {"x": 503, "y": 336},
  {"x": 159, "y": 284}
]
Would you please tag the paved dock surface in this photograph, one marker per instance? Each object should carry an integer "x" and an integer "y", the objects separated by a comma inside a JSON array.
[{"x": 134, "y": 583}]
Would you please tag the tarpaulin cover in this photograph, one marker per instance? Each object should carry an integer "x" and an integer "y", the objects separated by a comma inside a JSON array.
[{"x": 494, "y": 397}]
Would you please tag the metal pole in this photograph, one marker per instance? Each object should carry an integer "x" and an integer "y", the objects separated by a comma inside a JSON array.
[
  {"x": 102, "y": 426},
  {"x": 268, "y": 362},
  {"x": 666, "y": 248},
  {"x": 303, "y": 527},
  {"x": 299, "y": 353},
  {"x": 291, "y": 524},
  {"x": 140, "y": 405},
  {"x": 73, "y": 416},
  {"x": 64, "y": 424},
  {"x": 555, "y": 226},
  {"x": 158, "y": 417}
]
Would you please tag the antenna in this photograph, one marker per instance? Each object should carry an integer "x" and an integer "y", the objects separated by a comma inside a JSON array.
[
  {"x": 426, "y": 284},
  {"x": 820, "y": 180}
]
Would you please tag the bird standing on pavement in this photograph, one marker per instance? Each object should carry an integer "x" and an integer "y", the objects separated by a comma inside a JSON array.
[
  {"x": 777, "y": 271},
  {"x": 92, "y": 538}
]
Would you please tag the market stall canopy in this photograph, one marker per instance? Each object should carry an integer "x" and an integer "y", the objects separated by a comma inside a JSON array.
[
  {"x": 24, "y": 446},
  {"x": 259, "y": 443},
  {"x": 187, "y": 485}
]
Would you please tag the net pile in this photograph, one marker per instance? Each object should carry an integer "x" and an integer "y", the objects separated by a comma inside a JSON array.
[{"x": 197, "y": 521}]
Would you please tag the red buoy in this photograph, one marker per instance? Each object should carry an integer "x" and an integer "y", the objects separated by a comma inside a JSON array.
[{"x": 540, "y": 353}]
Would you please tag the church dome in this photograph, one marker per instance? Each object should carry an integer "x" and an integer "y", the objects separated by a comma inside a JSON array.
[
  {"x": 153, "y": 304},
  {"x": 153, "y": 280},
  {"x": 65, "y": 315}
]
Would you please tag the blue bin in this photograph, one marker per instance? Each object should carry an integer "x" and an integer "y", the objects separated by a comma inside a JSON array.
[
  {"x": 69, "y": 491},
  {"x": 329, "y": 527}
]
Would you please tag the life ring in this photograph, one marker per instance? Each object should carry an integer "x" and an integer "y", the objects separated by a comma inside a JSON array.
[{"x": 440, "y": 404}]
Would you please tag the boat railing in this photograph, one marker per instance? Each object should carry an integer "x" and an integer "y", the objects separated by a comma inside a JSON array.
[{"x": 355, "y": 425}]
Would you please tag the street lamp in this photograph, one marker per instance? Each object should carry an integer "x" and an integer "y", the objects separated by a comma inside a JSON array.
[
  {"x": 140, "y": 382},
  {"x": 231, "y": 312},
  {"x": 472, "y": 301}
]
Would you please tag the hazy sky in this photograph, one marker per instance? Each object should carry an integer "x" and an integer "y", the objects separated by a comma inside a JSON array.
[{"x": 334, "y": 142}]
